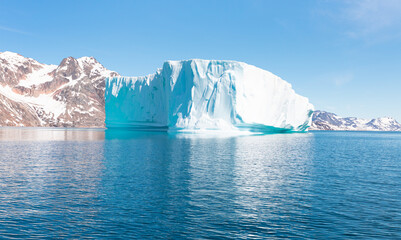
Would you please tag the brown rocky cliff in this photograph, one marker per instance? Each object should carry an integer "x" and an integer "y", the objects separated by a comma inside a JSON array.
[{"x": 74, "y": 89}]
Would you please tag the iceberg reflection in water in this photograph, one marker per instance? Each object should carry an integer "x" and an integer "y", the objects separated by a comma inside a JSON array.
[{"x": 145, "y": 185}]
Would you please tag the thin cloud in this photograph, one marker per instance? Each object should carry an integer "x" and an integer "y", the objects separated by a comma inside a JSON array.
[
  {"x": 373, "y": 17},
  {"x": 341, "y": 80},
  {"x": 3, "y": 28},
  {"x": 372, "y": 21}
]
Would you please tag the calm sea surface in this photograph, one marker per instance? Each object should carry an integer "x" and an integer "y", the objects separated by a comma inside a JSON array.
[{"x": 58, "y": 183}]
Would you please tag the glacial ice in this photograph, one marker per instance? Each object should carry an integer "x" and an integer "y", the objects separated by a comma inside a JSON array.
[{"x": 198, "y": 95}]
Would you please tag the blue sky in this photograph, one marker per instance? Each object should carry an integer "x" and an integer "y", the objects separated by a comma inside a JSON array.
[{"x": 344, "y": 55}]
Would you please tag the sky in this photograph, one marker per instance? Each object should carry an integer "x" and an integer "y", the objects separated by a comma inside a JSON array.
[{"x": 344, "y": 55}]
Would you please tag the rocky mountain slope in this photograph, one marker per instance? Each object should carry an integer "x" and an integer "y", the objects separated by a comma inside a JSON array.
[
  {"x": 322, "y": 120},
  {"x": 68, "y": 95}
]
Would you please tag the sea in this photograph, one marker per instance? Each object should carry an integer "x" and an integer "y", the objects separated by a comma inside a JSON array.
[{"x": 122, "y": 184}]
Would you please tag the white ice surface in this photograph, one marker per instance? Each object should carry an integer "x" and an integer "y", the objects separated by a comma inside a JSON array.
[{"x": 206, "y": 95}]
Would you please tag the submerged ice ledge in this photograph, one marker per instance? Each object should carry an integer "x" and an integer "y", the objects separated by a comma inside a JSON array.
[{"x": 206, "y": 95}]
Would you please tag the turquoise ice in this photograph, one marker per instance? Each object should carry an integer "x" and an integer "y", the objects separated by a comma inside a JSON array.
[{"x": 203, "y": 95}]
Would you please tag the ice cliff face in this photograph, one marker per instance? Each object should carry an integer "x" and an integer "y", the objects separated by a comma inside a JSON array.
[
  {"x": 70, "y": 94},
  {"x": 203, "y": 94},
  {"x": 322, "y": 120}
]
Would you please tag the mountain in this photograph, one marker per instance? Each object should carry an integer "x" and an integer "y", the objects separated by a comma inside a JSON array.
[
  {"x": 322, "y": 120},
  {"x": 36, "y": 94},
  {"x": 206, "y": 95}
]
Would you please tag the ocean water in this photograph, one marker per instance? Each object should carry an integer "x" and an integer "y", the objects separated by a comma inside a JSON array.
[{"x": 58, "y": 183}]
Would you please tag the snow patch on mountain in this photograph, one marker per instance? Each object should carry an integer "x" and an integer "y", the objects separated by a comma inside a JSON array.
[
  {"x": 43, "y": 101},
  {"x": 15, "y": 60},
  {"x": 322, "y": 120},
  {"x": 41, "y": 76}
]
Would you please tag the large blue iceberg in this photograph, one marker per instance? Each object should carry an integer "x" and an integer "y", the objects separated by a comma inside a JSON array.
[{"x": 198, "y": 95}]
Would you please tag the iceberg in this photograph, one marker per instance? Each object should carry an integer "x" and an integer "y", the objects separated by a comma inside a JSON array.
[{"x": 203, "y": 95}]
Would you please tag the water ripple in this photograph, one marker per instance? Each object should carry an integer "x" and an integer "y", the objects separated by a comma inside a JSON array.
[{"x": 96, "y": 184}]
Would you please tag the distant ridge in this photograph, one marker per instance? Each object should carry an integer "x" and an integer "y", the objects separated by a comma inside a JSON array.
[{"x": 322, "y": 120}]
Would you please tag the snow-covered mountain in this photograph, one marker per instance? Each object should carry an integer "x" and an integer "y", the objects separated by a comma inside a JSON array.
[
  {"x": 322, "y": 120},
  {"x": 68, "y": 95},
  {"x": 197, "y": 95}
]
